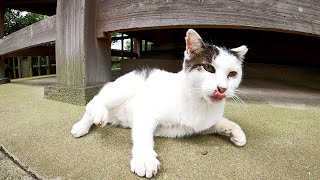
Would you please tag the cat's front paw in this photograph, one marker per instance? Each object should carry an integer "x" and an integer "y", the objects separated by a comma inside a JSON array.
[
  {"x": 238, "y": 137},
  {"x": 80, "y": 129},
  {"x": 145, "y": 165}
]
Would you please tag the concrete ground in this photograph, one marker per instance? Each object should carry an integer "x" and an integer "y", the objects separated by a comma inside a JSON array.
[{"x": 281, "y": 123}]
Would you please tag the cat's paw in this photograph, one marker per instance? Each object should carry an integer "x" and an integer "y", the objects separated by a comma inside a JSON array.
[
  {"x": 80, "y": 129},
  {"x": 100, "y": 116},
  {"x": 238, "y": 137},
  {"x": 145, "y": 165}
]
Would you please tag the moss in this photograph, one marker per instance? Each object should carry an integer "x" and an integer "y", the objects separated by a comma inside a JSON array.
[{"x": 71, "y": 94}]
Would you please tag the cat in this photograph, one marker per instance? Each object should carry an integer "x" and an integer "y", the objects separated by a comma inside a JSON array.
[{"x": 154, "y": 102}]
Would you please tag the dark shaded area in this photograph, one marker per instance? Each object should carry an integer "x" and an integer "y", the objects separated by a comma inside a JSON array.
[
  {"x": 45, "y": 7},
  {"x": 264, "y": 46}
]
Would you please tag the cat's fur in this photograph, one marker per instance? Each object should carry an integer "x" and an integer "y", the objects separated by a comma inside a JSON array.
[{"x": 160, "y": 103}]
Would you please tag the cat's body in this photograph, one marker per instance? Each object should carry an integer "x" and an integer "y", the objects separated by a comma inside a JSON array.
[{"x": 159, "y": 103}]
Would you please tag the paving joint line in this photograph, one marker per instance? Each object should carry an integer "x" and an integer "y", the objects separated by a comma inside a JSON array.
[{"x": 16, "y": 162}]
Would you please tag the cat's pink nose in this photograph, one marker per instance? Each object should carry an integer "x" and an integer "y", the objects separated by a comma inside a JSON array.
[{"x": 222, "y": 90}]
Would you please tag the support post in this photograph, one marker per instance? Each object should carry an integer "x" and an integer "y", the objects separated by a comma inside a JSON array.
[
  {"x": 83, "y": 62},
  {"x": 29, "y": 58},
  {"x": 145, "y": 45},
  {"x": 48, "y": 65},
  {"x": 137, "y": 46},
  {"x": 121, "y": 46},
  {"x": 2, "y": 68},
  {"x": 14, "y": 67},
  {"x": 19, "y": 68},
  {"x": 39, "y": 66}
]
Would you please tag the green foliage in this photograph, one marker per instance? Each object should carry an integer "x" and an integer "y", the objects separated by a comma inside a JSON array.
[
  {"x": 149, "y": 45},
  {"x": 116, "y": 64},
  {"x": 15, "y": 20},
  {"x": 128, "y": 45}
]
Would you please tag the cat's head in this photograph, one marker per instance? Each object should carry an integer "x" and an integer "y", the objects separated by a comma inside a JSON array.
[{"x": 212, "y": 72}]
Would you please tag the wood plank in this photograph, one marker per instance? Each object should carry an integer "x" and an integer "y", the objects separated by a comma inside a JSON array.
[
  {"x": 295, "y": 16},
  {"x": 2, "y": 68},
  {"x": 39, "y": 66},
  {"x": 36, "y": 34},
  {"x": 81, "y": 58},
  {"x": 14, "y": 68},
  {"x": 48, "y": 63},
  {"x": 1, "y": 22},
  {"x": 19, "y": 67},
  {"x": 29, "y": 58},
  {"x": 117, "y": 52},
  {"x": 34, "y": 51},
  {"x": 169, "y": 65}
]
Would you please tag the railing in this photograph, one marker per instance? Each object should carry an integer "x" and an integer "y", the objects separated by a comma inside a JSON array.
[{"x": 36, "y": 34}]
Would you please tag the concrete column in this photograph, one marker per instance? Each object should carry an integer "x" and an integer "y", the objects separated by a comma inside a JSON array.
[{"x": 83, "y": 62}]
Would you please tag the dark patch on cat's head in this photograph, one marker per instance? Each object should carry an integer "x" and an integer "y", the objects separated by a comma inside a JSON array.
[
  {"x": 144, "y": 72},
  {"x": 204, "y": 55},
  {"x": 197, "y": 52}
]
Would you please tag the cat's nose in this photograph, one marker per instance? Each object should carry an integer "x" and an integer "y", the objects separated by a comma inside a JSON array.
[{"x": 221, "y": 89}]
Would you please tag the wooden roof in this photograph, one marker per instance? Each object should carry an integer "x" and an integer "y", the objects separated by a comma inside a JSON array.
[{"x": 46, "y": 7}]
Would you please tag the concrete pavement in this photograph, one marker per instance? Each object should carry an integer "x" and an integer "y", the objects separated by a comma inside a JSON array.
[{"x": 282, "y": 140}]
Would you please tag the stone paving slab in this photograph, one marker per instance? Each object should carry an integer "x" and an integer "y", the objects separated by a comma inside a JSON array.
[{"x": 282, "y": 142}]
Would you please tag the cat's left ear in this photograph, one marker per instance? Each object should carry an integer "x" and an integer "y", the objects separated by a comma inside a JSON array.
[
  {"x": 194, "y": 42},
  {"x": 240, "y": 51}
]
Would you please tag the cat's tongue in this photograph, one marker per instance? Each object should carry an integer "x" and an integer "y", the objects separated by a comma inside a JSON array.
[{"x": 218, "y": 95}]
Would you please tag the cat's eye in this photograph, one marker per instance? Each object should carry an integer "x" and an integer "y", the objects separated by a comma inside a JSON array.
[
  {"x": 232, "y": 74},
  {"x": 209, "y": 68}
]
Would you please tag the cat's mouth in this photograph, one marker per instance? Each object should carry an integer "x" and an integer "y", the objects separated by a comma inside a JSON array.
[{"x": 217, "y": 95}]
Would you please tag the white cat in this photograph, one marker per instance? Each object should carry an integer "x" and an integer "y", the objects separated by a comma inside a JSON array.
[{"x": 159, "y": 103}]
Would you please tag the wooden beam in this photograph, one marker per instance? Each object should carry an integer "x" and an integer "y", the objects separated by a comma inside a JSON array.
[
  {"x": 137, "y": 46},
  {"x": 121, "y": 46},
  {"x": 121, "y": 37},
  {"x": 1, "y": 22},
  {"x": 131, "y": 46},
  {"x": 30, "y": 36},
  {"x": 145, "y": 45},
  {"x": 2, "y": 68},
  {"x": 19, "y": 67},
  {"x": 294, "y": 16},
  {"x": 14, "y": 68},
  {"x": 81, "y": 58},
  {"x": 29, "y": 58},
  {"x": 34, "y": 51},
  {"x": 48, "y": 63},
  {"x": 119, "y": 53},
  {"x": 39, "y": 66}
]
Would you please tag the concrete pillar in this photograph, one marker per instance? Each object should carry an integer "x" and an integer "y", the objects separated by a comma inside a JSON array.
[{"x": 83, "y": 62}]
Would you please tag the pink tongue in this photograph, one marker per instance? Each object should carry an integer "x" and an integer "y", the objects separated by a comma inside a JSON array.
[{"x": 218, "y": 95}]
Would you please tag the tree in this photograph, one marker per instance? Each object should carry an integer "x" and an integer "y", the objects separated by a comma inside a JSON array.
[{"x": 15, "y": 20}]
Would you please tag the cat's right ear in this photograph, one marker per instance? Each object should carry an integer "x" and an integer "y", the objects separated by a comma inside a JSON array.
[{"x": 194, "y": 42}]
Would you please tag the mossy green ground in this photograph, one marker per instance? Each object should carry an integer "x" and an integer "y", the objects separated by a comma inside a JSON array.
[{"x": 283, "y": 142}]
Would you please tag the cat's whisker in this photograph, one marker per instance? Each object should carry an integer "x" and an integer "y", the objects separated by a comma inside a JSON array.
[
  {"x": 234, "y": 100},
  {"x": 242, "y": 93},
  {"x": 239, "y": 98},
  {"x": 240, "y": 101}
]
